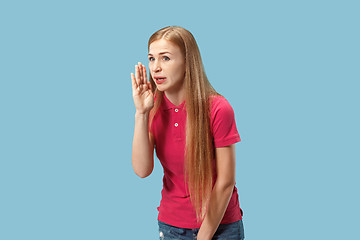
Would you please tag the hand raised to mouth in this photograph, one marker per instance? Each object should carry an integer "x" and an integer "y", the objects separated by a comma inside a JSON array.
[{"x": 142, "y": 90}]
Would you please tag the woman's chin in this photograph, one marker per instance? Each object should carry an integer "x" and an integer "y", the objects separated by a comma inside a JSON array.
[{"x": 161, "y": 88}]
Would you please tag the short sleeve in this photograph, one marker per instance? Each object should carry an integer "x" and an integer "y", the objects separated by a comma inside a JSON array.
[{"x": 223, "y": 125}]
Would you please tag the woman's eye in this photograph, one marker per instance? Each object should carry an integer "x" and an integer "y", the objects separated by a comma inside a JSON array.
[
  {"x": 166, "y": 58},
  {"x": 151, "y": 59}
]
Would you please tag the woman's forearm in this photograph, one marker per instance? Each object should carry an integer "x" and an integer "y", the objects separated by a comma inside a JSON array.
[
  {"x": 218, "y": 204},
  {"x": 142, "y": 149}
]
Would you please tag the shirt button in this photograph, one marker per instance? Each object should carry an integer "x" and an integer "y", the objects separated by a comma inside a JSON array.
[
  {"x": 176, "y": 124},
  {"x": 176, "y": 110}
]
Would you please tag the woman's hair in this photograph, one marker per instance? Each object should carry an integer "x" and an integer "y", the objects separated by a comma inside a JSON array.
[{"x": 199, "y": 149}]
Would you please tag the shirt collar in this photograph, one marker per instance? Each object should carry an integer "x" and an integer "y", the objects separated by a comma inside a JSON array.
[{"x": 170, "y": 105}]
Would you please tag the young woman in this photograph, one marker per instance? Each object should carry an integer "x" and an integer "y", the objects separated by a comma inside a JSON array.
[{"x": 193, "y": 130}]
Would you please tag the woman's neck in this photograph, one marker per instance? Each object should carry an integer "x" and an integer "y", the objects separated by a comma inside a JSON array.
[{"x": 176, "y": 98}]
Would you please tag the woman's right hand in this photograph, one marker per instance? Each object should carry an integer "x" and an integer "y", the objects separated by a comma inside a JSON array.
[{"x": 142, "y": 90}]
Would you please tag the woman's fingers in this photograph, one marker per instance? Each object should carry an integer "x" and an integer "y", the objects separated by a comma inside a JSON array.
[
  {"x": 150, "y": 86},
  {"x": 133, "y": 82},
  {"x": 145, "y": 88},
  {"x": 144, "y": 74},
  {"x": 137, "y": 75},
  {"x": 141, "y": 77},
  {"x": 139, "y": 81}
]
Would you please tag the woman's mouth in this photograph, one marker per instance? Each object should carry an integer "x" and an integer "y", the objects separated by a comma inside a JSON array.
[{"x": 160, "y": 80}]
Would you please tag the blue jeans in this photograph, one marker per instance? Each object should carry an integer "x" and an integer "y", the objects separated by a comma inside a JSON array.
[{"x": 230, "y": 231}]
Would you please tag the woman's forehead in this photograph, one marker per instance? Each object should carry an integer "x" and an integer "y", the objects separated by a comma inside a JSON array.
[{"x": 162, "y": 45}]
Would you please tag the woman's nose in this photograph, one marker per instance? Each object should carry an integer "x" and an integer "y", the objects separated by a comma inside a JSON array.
[{"x": 156, "y": 67}]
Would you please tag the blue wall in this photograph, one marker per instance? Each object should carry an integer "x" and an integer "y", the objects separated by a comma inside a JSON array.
[{"x": 290, "y": 69}]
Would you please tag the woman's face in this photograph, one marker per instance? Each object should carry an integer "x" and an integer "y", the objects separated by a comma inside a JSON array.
[{"x": 166, "y": 66}]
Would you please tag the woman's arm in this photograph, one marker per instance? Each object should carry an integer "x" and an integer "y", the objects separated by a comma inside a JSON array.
[
  {"x": 143, "y": 142},
  {"x": 143, "y": 147},
  {"x": 221, "y": 193}
]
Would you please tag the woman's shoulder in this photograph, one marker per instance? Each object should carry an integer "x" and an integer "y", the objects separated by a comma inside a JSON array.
[{"x": 218, "y": 101}]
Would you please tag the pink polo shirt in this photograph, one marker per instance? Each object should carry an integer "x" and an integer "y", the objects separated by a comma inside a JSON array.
[{"x": 168, "y": 129}]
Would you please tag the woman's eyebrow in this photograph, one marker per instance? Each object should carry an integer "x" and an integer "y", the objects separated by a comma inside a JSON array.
[{"x": 160, "y": 53}]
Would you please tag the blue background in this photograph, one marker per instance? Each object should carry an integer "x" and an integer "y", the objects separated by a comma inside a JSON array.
[{"x": 290, "y": 69}]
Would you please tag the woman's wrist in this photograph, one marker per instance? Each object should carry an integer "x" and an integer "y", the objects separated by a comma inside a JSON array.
[{"x": 141, "y": 113}]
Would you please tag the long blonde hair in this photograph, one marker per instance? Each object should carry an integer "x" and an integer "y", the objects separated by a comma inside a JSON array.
[{"x": 199, "y": 148}]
